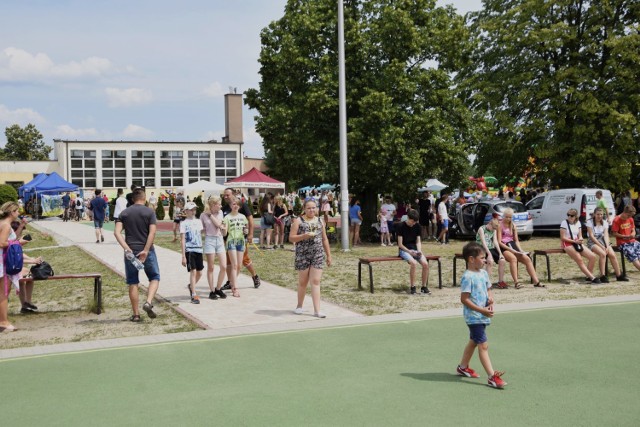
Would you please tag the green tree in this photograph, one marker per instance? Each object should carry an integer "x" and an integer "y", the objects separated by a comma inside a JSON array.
[
  {"x": 160, "y": 210},
  {"x": 405, "y": 122},
  {"x": 7, "y": 194},
  {"x": 25, "y": 144},
  {"x": 557, "y": 87}
]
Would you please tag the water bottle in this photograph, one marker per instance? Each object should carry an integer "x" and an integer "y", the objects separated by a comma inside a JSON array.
[{"x": 134, "y": 260}]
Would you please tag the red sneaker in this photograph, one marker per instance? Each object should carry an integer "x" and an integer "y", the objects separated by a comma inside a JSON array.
[
  {"x": 466, "y": 372},
  {"x": 495, "y": 381},
  {"x": 502, "y": 285}
]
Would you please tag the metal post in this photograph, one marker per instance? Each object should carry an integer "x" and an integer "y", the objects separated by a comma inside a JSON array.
[{"x": 344, "y": 179}]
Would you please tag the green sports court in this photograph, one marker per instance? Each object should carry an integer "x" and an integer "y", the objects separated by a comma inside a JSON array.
[{"x": 564, "y": 366}]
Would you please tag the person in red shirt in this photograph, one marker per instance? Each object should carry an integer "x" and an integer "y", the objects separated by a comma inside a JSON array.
[{"x": 624, "y": 231}]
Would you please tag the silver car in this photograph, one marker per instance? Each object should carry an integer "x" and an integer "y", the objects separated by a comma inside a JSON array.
[{"x": 471, "y": 216}]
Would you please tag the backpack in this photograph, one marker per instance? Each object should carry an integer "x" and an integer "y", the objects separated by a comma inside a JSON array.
[
  {"x": 41, "y": 271},
  {"x": 78, "y": 203},
  {"x": 13, "y": 260}
]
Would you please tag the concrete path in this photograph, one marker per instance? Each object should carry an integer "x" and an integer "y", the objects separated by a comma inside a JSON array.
[{"x": 269, "y": 304}]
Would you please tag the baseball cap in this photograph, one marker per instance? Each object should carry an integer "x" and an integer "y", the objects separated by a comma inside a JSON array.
[{"x": 190, "y": 205}]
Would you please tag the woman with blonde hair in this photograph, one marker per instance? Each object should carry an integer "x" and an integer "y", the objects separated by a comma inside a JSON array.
[
  {"x": 214, "y": 245},
  {"x": 513, "y": 253},
  {"x": 9, "y": 212},
  {"x": 599, "y": 243},
  {"x": 572, "y": 243},
  {"x": 280, "y": 211}
]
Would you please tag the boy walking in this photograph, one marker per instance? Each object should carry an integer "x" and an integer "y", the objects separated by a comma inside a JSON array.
[
  {"x": 191, "y": 242},
  {"x": 477, "y": 298}
]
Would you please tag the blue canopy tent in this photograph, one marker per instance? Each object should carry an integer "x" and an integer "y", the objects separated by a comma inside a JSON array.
[
  {"x": 326, "y": 187},
  {"x": 28, "y": 187},
  {"x": 52, "y": 184}
]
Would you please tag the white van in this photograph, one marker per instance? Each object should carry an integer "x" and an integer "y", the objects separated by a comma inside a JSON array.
[{"x": 549, "y": 209}]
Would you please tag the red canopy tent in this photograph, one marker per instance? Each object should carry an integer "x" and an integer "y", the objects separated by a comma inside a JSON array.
[{"x": 254, "y": 179}]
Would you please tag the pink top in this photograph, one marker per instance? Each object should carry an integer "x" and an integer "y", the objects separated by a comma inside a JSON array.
[
  {"x": 507, "y": 233},
  {"x": 210, "y": 229}
]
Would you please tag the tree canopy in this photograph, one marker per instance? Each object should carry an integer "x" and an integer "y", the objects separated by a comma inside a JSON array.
[
  {"x": 557, "y": 84},
  {"x": 405, "y": 122},
  {"x": 24, "y": 144}
]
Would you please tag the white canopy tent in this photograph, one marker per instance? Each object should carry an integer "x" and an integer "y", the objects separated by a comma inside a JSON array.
[{"x": 202, "y": 188}]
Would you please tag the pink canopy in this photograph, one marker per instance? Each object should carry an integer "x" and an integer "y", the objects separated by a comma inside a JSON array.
[{"x": 254, "y": 179}]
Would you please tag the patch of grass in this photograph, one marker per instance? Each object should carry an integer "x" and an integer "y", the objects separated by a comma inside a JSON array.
[
  {"x": 391, "y": 279},
  {"x": 65, "y": 306}
]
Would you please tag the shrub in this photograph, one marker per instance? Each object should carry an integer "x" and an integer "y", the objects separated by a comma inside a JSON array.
[
  {"x": 7, "y": 194},
  {"x": 200, "y": 206},
  {"x": 160, "y": 211},
  {"x": 172, "y": 199},
  {"x": 297, "y": 207}
]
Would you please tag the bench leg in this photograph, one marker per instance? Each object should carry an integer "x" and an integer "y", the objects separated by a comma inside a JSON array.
[
  {"x": 439, "y": 274},
  {"x": 97, "y": 294},
  {"x": 624, "y": 267},
  {"x": 370, "y": 278},
  {"x": 359, "y": 275},
  {"x": 548, "y": 268},
  {"x": 454, "y": 271}
]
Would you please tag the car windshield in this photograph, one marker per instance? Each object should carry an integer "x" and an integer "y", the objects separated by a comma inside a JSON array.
[{"x": 517, "y": 207}]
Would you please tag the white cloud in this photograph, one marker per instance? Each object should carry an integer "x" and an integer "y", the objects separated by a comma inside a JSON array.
[
  {"x": 127, "y": 97},
  {"x": 20, "y": 65},
  {"x": 66, "y": 131},
  {"x": 252, "y": 143},
  {"x": 21, "y": 116},
  {"x": 137, "y": 132},
  {"x": 214, "y": 90}
]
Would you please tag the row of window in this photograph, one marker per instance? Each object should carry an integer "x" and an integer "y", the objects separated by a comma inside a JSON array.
[{"x": 143, "y": 167}]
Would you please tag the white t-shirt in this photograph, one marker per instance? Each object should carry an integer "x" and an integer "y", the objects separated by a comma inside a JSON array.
[
  {"x": 121, "y": 204},
  {"x": 153, "y": 200},
  {"x": 390, "y": 209},
  {"x": 575, "y": 229},
  {"x": 442, "y": 211},
  {"x": 192, "y": 230},
  {"x": 81, "y": 203},
  {"x": 598, "y": 230}
]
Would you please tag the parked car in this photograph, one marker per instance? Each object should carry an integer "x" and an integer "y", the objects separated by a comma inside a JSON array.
[
  {"x": 549, "y": 209},
  {"x": 472, "y": 216}
]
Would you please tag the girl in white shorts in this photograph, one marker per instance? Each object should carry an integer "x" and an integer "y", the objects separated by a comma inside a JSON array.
[{"x": 214, "y": 245}]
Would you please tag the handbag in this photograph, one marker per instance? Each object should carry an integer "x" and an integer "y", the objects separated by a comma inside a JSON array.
[
  {"x": 577, "y": 246},
  {"x": 268, "y": 218},
  {"x": 41, "y": 271}
]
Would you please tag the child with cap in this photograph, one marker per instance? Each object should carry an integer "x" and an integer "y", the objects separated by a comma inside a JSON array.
[{"x": 191, "y": 242}]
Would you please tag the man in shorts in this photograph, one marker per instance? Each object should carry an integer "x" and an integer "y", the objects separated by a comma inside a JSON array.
[
  {"x": 624, "y": 230},
  {"x": 246, "y": 261},
  {"x": 139, "y": 225},
  {"x": 97, "y": 207}
]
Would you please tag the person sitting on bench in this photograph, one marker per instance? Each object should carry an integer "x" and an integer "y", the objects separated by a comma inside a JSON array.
[
  {"x": 410, "y": 250},
  {"x": 624, "y": 231}
]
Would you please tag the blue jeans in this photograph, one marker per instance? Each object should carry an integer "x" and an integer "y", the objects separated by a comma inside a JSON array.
[{"x": 151, "y": 269}]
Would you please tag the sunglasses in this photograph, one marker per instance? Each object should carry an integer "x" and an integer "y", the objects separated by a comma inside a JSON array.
[{"x": 570, "y": 215}]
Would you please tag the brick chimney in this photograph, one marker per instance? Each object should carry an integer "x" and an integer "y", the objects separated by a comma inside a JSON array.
[{"x": 233, "y": 117}]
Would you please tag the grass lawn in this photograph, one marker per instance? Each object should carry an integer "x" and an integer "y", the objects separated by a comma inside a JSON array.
[
  {"x": 391, "y": 279},
  {"x": 564, "y": 367}
]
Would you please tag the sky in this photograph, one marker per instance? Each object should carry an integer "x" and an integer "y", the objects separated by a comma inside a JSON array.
[{"x": 133, "y": 70}]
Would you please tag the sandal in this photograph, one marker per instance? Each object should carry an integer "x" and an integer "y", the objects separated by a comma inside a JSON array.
[
  {"x": 501, "y": 285},
  {"x": 9, "y": 328},
  {"x": 539, "y": 285},
  {"x": 235, "y": 292},
  {"x": 135, "y": 318},
  {"x": 518, "y": 285}
]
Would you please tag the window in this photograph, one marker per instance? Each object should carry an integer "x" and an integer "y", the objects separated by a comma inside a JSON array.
[
  {"x": 143, "y": 168},
  {"x": 114, "y": 168},
  {"x": 226, "y": 166},
  {"x": 171, "y": 169},
  {"x": 83, "y": 168},
  {"x": 199, "y": 165}
]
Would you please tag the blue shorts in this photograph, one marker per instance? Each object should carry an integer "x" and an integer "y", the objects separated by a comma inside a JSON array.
[
  {"x": 235, "y": 245},
  {"x": 213, "y": 245},
  {"x": 407, "y": 256},
  {"x": 151, "y": 269},
  {"x": 98, "y": 223},
  {"x": 445, "y": 223},
  {"x": 477, "y": 333}
]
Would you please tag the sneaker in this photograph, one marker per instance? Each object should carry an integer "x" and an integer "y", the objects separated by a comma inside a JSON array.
[
  {"x": 495, "y": 381},
  {"x": 226, "y": 286},
  {"x": 466, "y": 372},
  {"x": 595, "y": 281},
  {"x": 220, "y": 294},
  {"x": 319, "y": 315},
  {"x": 413, "y": 290},
  {"x": 502, "y": 285},
  {"x": 622, "y": 278},
  {"x": 281, "y": 246},
  {"x": 425, "y": 290},
  {"x": 298, "y": 310},
  {"x": 213, "y": 295},
  {"x": 382, "y": 244},
  {"x": 256, "y": 281},
  {"x": 33, "y": 307},
  {"x": 195, "y": 299},
  {"x": 604, "y": 279},
  {"x": 97, "y": 241},
  {"x": 148, "y": 308},
  {"x": 26, "y": 310}
]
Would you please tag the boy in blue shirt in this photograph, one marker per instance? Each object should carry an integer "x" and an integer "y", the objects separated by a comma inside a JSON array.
[{"x": 477, "y": 298}]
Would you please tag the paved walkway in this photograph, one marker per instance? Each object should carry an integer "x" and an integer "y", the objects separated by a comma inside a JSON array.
[{"x": 264, "y": 310}]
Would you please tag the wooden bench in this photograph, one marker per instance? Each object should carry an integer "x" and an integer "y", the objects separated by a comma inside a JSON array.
[
  {"x": 456, "y": 257},
  {"x": 371, "y": 260},
  {"x": 97, "y": 284},
  {"x": 547, "y": 252}
]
